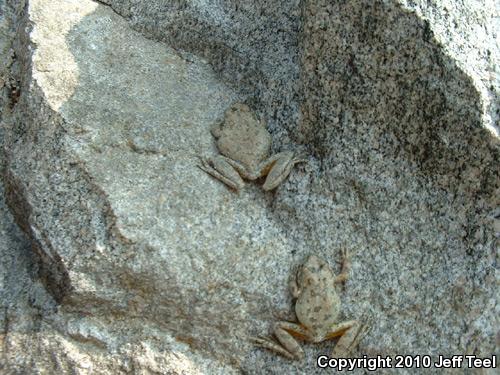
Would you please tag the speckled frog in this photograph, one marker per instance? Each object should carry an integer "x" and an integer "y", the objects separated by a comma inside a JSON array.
[
  {"x": 244, "y": 145},
  {"x": 317, "y": 309}
]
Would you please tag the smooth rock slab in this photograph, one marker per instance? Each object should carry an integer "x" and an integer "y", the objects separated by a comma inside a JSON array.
[{"x": 136, "y": 229}]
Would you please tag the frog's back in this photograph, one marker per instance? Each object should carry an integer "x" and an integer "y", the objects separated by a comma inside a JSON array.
[
  {"x": 244, "y": 139},
  {"x": 316, "y": 308}
]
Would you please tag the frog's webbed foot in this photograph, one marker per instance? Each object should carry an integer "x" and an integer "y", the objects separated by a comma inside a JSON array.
[
  {"x": 350, "y": 339},
  {"x": 277, "y": 168},
  {"x": 222, "y": 168},
  {"x": 272, "y": 345},
  {"x": 287, "y": 345}
]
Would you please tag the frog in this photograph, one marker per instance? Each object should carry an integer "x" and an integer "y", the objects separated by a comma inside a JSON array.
[
  {"x": 317, "y": 308},
  {"x": 244, "y": 145}
]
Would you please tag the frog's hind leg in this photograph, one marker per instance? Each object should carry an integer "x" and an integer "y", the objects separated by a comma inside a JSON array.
[
  {"x": 339, "y": 329},
  {"x": 221, "y": 168},
  {"x": 277, "y": 168},
  {"x": 349, "y": 340},
  {"x": 286, "y": 333},
  {"x": 272, "y": 345}
]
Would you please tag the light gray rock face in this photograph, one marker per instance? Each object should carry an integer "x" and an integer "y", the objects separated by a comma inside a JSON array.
[{"x": 154, "y": 266}]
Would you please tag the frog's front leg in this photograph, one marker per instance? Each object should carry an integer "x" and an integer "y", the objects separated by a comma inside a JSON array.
[
  {"x": 223, "y": 169},
  {"x": 346, "y": 265},
  {"x": 286, "y": 332},
  {"x": 277, "y": 168}
]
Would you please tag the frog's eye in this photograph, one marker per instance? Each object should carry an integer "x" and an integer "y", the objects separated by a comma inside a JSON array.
[{"x": 307, "y": 274}]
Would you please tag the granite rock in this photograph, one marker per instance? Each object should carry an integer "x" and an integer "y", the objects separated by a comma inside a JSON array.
[{"x": 135, "y": 260}]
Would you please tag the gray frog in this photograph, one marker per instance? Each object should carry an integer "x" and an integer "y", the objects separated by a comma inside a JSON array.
[
  {"x": 244, "y": 144},
  {"x": 317, "y": 308}
]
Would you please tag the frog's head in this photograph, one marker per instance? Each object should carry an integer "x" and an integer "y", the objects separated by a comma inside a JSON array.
[
  {"x": 239, "y": 115},
  {"x": 312, "y": 270},
  {"x": 238, "y": 107}
]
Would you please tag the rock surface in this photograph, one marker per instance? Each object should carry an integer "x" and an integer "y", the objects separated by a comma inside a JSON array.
[{"x": 140, "y": 262}]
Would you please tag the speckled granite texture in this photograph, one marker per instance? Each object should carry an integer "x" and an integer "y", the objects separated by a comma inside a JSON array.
[{"x": 136, "y": 261}]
